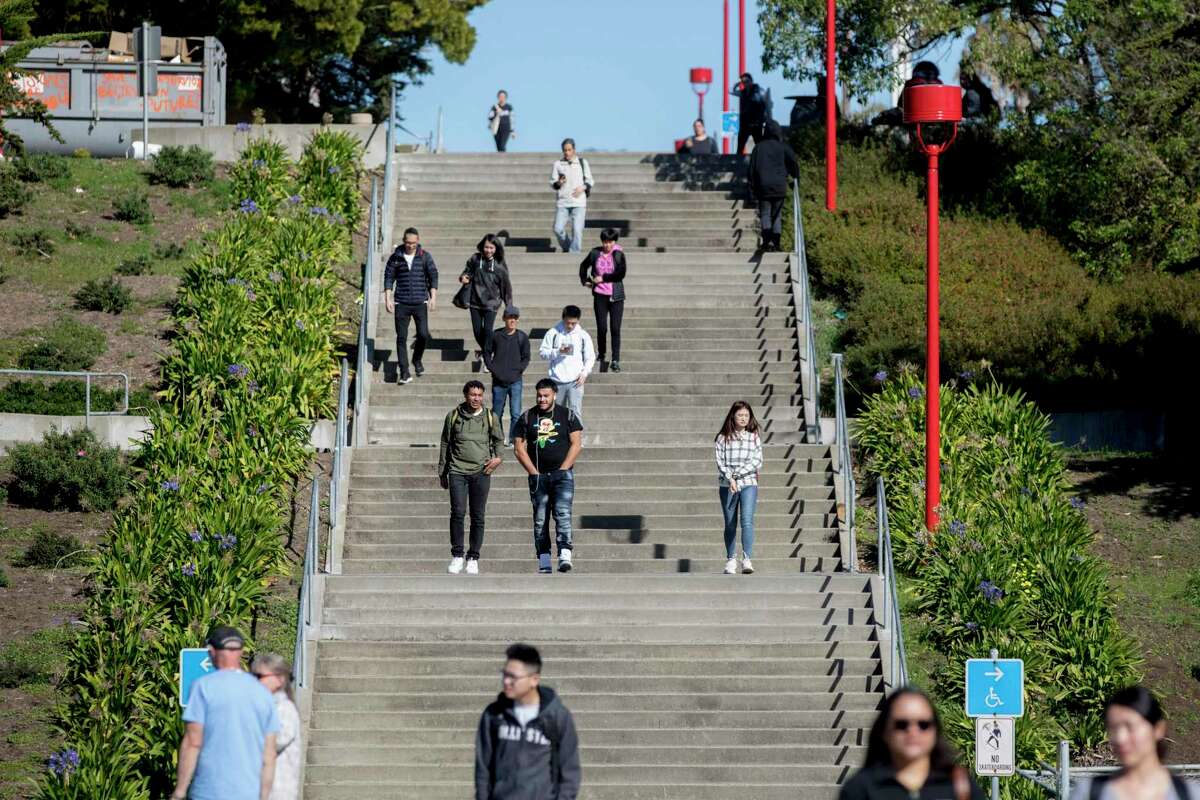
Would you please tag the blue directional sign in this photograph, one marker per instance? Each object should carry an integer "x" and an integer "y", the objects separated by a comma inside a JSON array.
[
  {"x": 729, "y": 122},
  {"x": 995, "y": 687},
  {"x": 194, "y": 663}
]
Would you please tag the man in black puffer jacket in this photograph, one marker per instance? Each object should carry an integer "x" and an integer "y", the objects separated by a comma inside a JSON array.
[
  {"x": 526, "y": 747},
  {"x": 410, "y": 283},
  {"x": 770, "y": 165}
]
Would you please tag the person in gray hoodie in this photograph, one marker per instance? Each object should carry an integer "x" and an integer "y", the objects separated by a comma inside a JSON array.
[{"x": 526, "y": 747}]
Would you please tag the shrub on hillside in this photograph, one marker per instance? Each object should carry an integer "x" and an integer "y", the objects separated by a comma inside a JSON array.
[
  {"x": 64, "y": 398},
  {"x": 41, "y": 167},
  {"x": 182, "y": 166},
  {"x": 103, "y": 294},
  {"x": 133, "y": 207},
  {"x": 134, "y": 265},
  {"x": 66, "y": 346},
  {"x": 69, "y": 471},
  {"x": 262, "y": 174},
  {"x": 52, "y": 550},
  {"x": 35, "y": 659},
  {"x": 33, "y": 242},
  {"x": 328, "y": 175},
  {"x": 14, "y": 195},
  {"x": 168, "y": 251}
]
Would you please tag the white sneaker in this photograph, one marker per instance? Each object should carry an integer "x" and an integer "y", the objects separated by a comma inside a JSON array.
[
  {"x": 472, "y": 567},
  {"x": 456, "y": 565},
  {"x": 564, "y": 560},
  {"x": 731, "y": 567},
  {"x": 747, "y": 567}
]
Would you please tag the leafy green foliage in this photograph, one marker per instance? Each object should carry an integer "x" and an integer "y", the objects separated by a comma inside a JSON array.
[
  {"x": 329, "y": 173},
  {"x": 183, "y": 166},
  {"x": 68, "y": 471},
  {"x": 134, "y": 208},
  {"x": 103, "y": 294},
  {"x": 134, "y": 265},
  {"x": 33, "y": 242},
  {"x": 1009, "y": 566},
  {"x": 263, "y": 174},
  {"x": 41, "y": 167},
  {"x": 4, "y": 584},
  {"x": 35, "y": 659},
  {"x": 66, "y": 398},
  {"x": 1191, "y": 591},
  {"x": 14, "y": 195},
  {"x": 52, "y": 550},
  {"x": 66, "y": 346},
  {"x": 168, "y": 251}
]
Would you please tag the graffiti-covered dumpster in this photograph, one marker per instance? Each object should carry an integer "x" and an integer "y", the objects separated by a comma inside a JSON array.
[{"x": 92, "y": 93}]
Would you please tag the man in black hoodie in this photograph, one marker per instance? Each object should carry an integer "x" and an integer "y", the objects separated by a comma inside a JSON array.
[
  {"x": 770, "y": 165},
  {"x": 526, "y": 747},
  {"x": 506, "y": 357},
  {"x": 754, "y": 108}
]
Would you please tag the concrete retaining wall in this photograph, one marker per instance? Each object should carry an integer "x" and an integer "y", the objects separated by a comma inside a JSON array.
[{"x": 226, "y": 141}]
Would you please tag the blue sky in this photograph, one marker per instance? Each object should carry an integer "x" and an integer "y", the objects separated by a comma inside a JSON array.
[{"x": 612, "y": 74}]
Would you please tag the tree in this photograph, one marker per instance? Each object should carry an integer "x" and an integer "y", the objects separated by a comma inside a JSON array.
[{"x": 297, "y": 59}]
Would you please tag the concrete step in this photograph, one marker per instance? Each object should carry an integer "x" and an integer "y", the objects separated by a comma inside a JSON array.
[
  {"x": 642, "y": 566},
  {"x": 585, "y": 600},
  {"x": 655, "y": 544},
  {"x": 633, "y": 652},
  {"x": 503, "y": 504},
  {"x": 735, "y": 790},
  {"x": 401, "y": 775},
  {"x": 511, "y": 487},
  {"x": 822, "y": 700},
  {"x": 502, "y": 615},
  {"x": 643, "y": 737},
  {"x": 666, "y": 474},
  {"x": 771, "y": 453}
]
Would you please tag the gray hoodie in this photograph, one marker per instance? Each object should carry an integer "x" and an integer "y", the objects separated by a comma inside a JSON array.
[{"x": 537, "y": 762}]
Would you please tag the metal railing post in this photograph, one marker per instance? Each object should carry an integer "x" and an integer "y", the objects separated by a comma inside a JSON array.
[
  {"x": 87, "y": 394},
  {"x": 801, "y": 296},
  {"x": 845, "y": 467},
  {"x": 388, "y": 169},
  {"x": 314, "y": 513},
  {"x": 1064, "y": 770}
]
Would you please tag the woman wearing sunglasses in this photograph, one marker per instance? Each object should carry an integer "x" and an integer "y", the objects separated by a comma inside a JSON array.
[
  {"x": 1137, "y": 733},
  {"x": 275, "y": 674},
  {"x": 907, "y": 757}
]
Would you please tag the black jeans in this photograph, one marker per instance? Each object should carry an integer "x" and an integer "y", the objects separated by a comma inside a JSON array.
[
  {"x": 502, "y": 140},
  {"x": 482, "y": 322},
  {"x": 747, "y": 131},
  {"x": 405, "y": 312},
  {"x": 463, "y": 489},
  {"x": 608, "y": 310},
  {"x": 770, "y": 217}
]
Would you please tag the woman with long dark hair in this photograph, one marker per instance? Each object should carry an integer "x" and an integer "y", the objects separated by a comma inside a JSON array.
[
  {"x": 739, "y": 455},
  {"x": 908, "y": 758},
  {"x": 1137, "y": 733},
  {"x": 603, "y": 271},
  {"x": 491, "y": 290}
]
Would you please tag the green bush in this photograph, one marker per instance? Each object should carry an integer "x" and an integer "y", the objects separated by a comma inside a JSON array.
[
  {"x": 41, "y": 167},
  {"x": 182, "y": 166},
  {"x": 134, "y": 265},
  {"x": 81, "y": 152},
  {"x": 168, "y": 251},
  {"x": 14, "y": 195},
  {"x": 52, "y": 550},
  {"x": 3, "y": 578},
  {"x": 1009, "y": 566},
  {"x": 76, "y": 230},
  {"x": 262, "y": 175},
  {"x": 328, "y": 175},
  {"x": 66, "y": 346},
  {"x": 36, "y": 659},
  {"x": 133, "y": 207},
  {"x": 106, "y": 294},
  {"x": 70, "y": 471},
  {"x": 33, "y": 242},
  {"x": 1191, "y": 590},
  {"x": 65, "y": 398}
]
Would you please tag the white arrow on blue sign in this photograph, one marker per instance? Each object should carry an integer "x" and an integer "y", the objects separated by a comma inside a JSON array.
[
  {"x": 194, "y": 663},
  {"x": 729, "y": 122},
  {"x": 995, "y": 687}
]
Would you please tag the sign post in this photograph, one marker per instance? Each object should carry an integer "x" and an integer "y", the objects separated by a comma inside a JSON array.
[
  {"x": 995, "y": 697},
  {"x": 194, "y": 663},
  {"x": 147, "y": 49}
]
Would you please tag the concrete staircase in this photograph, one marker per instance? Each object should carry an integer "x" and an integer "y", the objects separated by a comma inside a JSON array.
[{"x": 684, "y": 682}]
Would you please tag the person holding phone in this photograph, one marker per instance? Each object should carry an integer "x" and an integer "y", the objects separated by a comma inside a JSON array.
[
  {"x": 571, "y": 180},
  {"x": 739, "y": 453},
  {"x": 572, "y": 355},
  {"x": 603, "y": 271}
]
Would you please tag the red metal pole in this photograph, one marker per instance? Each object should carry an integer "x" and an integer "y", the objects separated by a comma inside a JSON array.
[
  {"x": 701, "y": 115},
  {"x": 933, "y": 475},
  {"x": 725, "y": 80},
  {"x": 742, "y": 38},
  {"x": 830, "y": 105}
]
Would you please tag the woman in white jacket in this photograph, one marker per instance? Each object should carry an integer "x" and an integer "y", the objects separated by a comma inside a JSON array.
[
  {"x": 739, "y": 455},
  {"x": 275, "y": 674}
]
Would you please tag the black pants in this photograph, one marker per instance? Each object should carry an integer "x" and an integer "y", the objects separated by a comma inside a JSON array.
[
  {"x": 464, "y": 489},
  {"x": 770, "y": 220},
  {"x": 482, "y": 322},
  {"x": 608, "y": 310},
  {"x": 405, "y": 312},
  {"x": 747, "y": 131},
  {"x": 502, "y": 140}
]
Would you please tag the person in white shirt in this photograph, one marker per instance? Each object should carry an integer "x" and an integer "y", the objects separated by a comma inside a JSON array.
[
  {"x": 571, "y": 179},
  {"x": 739, "y": 454},
  {"x": 572, "y": 355}
]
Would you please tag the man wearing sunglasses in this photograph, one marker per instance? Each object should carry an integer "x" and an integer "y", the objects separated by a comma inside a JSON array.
[
  {"x": 228, "y": 747},
  {"x": 526, "y": 747}
]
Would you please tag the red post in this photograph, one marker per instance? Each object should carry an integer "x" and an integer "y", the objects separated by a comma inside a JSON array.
[
  {"x": 830, "y": 105},
  {"x": 933, "y": 448},
  {"x": 742, "y": 38},
  {"x": 725, "y": 80}
]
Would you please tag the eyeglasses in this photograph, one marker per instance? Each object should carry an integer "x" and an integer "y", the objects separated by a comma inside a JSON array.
[
  {"x": 512, "y": 677},
  {"x": 902, "y": 724}
]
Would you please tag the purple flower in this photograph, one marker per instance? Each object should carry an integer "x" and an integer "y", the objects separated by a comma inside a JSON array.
[
  {"x": 958, "y": 527},
  {"x": 294, "y": 199},
  {"x": 967, "y": 374},
  {"x": 262, "y": 489},
  {"x": 300, "y": 324},
  {"x": 188, "y": 570},
  {"x": 972, "y": 626},
  {"x": 275, "y": 276},
  {"x": 250, "y": 295},
  {"x": 251, "y": 431},
  {"x": 319, "y": 211},
  {"x": 195, "y": 536},
  {"x": 170, "y": 485},
  {"x": 334, "y": 170},
  {"x": 228, "y": 542},
  {"x": 914, "y": 392},
  {"x": 64, "y": 763},
  {"x": 974, "y": 545},
  {"x": 237, "y": 371},
  {"x": 991, "y": 592},
  {"x": 243, "y": 127},
  {"x": 248, "y": 206},
  {"x": 1077, "y": 504},
  {"x": 339, "y": 219},
  {"x": 252, "y": 387},
  {"x": 881, "y": 376},
  {"x": 235, "y": 282},
  {"x": 258, "y": 162},
  {"x": 1025, "y": 490}
]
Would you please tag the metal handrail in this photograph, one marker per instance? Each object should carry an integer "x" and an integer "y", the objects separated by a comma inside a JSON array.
[
  {"x": 88, "y": 413},
  {"x": 802, "y": 299},
  {"x": 340, "y": 442},
  {"x": 1058, "y": 781},
  {"x": 362, "y": 370},
  {"x": 304, "y": 612},
  {"x": 890, "y": 619},
  {"x": 841, "y": 438}
]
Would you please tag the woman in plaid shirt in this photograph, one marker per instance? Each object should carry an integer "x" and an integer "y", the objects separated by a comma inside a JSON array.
[{"x": 739, "y": 458}]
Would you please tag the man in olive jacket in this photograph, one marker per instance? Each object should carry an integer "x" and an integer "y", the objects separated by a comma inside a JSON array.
[
  {"x": 526, "y": 747},
  {"x": 470, "y": 453}
]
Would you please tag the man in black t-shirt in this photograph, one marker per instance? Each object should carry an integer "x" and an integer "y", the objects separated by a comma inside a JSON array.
[{"x": 547, "y": 440}]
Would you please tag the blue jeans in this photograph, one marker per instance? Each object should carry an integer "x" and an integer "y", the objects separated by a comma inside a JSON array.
[
  {"x": 576, "y": 215},
  {"x": 513, "y": 395},
  {"x": 552, "y": 490},
  {"x": 732, "y": 503}
]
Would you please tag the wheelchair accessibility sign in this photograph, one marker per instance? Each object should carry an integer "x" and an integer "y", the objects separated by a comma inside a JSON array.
[{"x": 995, "y": 687}]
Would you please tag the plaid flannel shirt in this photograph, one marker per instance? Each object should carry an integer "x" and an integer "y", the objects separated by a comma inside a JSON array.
[{"x": 739, "y": 458}]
